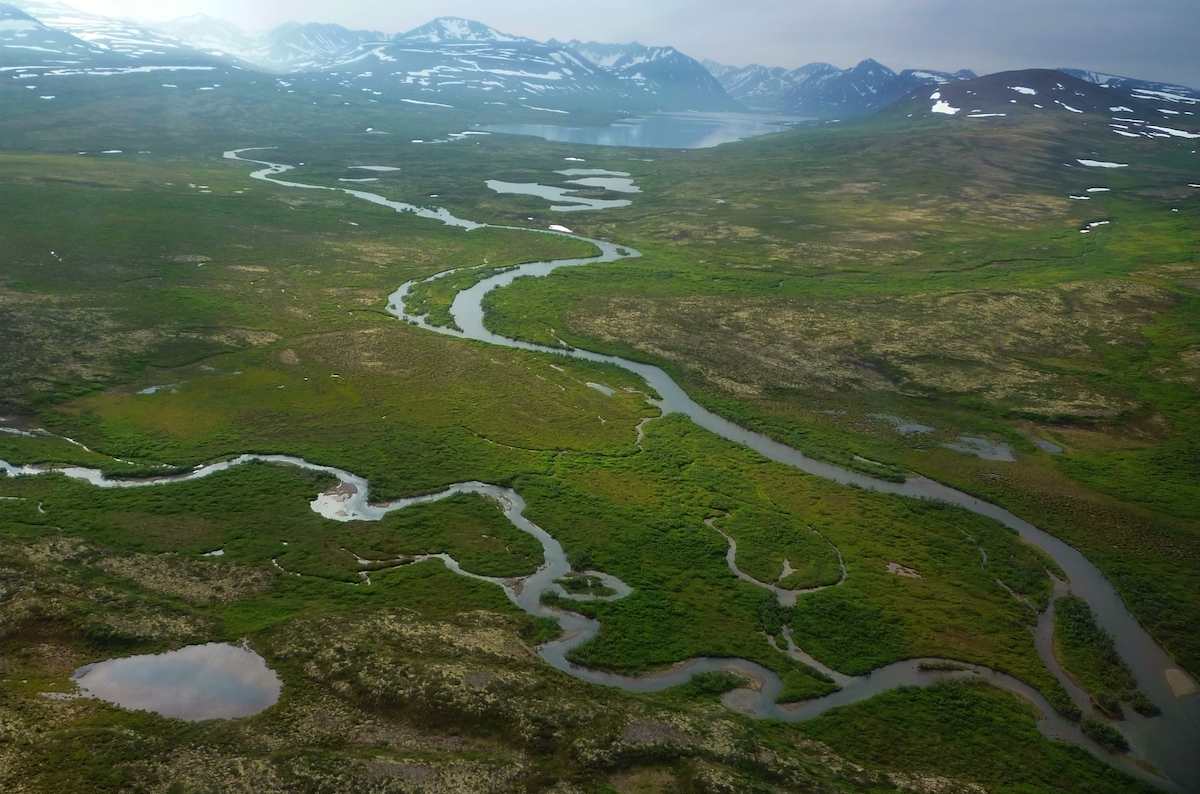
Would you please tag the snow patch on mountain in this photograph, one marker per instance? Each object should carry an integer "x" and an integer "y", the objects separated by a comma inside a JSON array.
[
  {"x": 455, "y": 29},
  {"x": 107, "y": 35},
  {"x": 1130, "y": 83}
]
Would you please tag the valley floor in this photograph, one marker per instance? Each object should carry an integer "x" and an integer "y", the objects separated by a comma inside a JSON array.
[{"x": 869, "y": 296}]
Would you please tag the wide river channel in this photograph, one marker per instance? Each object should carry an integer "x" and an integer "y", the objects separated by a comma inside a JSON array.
[{"x": 1167, "y": 742}]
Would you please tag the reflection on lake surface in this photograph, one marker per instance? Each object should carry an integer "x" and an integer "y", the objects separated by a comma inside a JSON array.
[
  {"x": 199, "y": 682},
  {"x": 661, "y": 131}
]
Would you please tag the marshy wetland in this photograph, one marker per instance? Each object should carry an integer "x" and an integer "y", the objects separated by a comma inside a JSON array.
[{"x": 424, "y": 674}]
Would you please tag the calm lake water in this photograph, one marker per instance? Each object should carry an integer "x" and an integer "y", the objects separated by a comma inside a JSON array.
[
  {"x": 661, "y": 131},
  {"x": 199, "y": 682}
]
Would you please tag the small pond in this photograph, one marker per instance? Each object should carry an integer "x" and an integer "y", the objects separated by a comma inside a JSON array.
[
  {"x": 199, "y": 682},
  {"x": 984, "y": 448},
  {"x": 903, "y": 426}
]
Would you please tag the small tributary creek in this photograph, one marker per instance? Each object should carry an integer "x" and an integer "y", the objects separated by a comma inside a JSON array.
[{"x": 1167, "y": 742}]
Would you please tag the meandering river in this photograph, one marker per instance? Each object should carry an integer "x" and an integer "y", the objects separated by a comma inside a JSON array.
[{"x": 1167, "y": 742}]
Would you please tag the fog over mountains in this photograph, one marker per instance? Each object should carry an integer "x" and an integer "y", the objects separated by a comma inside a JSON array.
[{"x": 451, "y": 59}]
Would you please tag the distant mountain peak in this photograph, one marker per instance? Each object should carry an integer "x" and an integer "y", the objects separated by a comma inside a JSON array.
[
  {"x": 870, "y": 64},
  {"x": 201, "y": 18},
  {"x": 661, "y": 70},
  {"x": 1117, "y": 81},
  {"x": 208, "y": 33},
  {"x": 455, "y": 29},
  {"x": 111, "y": 39},
  {"x": 823, "y": 90}
]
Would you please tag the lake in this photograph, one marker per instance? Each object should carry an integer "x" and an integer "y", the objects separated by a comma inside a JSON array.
[
  {"x": 199, "y": 682},
  {"x": 661, "y": 131}
]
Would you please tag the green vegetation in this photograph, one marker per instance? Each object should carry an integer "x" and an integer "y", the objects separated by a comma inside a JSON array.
[
  {"x": 879, "y": 270},
  {"x": 708, "y": 687},
  {"x": 147, "y": 272},
  {"x": 1087, "y": 652},
  {"x": 585, "y": 584},
  {"x": 1105, "y": 734},
  {"x": 640, "y": 518},
  {"x": 970, "y": 731},
  {"x": 767, "y": 540},
  {"x": 432, "y": 299},
  {"x": 890, "y": 270},
  {"x": 422, "y": 675}
]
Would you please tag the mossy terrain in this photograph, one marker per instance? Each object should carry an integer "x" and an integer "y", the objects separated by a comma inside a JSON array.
[{"x": 255, "y": 313}]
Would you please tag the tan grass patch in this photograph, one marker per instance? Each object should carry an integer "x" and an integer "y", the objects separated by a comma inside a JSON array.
[
  {"x": 1020, "y": 347},
  {"x": 189, "y": 579},
  {"x": 644, "y": 781}
]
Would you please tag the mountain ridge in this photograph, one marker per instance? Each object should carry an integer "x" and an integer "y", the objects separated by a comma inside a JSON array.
[
  {"x": 665, "y": 69},
  {"x": 459, "y": 58},
  {"x": 822, "y": 90}
]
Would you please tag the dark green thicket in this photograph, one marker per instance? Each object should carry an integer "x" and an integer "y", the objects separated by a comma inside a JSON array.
[
  {"x": 1087, "y": 652},
  {"x": 1105, "y": 734},
  {"x": 969, "y": 731}
]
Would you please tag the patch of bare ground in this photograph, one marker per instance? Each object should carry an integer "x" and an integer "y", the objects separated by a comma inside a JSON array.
[
  {"x": 48, "y": 337},
  {"x": 644, "y": 781},
  {"x": 374, "y": 349},
  {"x": 235, "y": 337},
  {"x": 191, "y": 580},
  {"x": 51, "y": 339},
  {"x": 1021, "y": 347},
  {"x": 48, "y": 580},
  {"x": 1187, "y": 275}
]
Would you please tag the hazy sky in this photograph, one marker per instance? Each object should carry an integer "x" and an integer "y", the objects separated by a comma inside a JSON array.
[{"x": 1150, "y": 39}]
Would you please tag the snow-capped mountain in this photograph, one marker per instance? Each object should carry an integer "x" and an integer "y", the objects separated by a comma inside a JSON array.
[
  {"x": 756, "y": 87},
  {"x": 209, "y": 34},
  {"x": 294, "y": 47},
  {"x": 821, "y": 90},
  {"x": 290, "y": 47},
  {"x": 455, "y": 30},
  {"x": 912, "y": 79},
  {"x": 1116, "y": 81},
  {"x": 676, "y": 80},
  {"x": 123, "y": 41},
  {"x": 460, "y": 57},
  {"x": 827, "y": 91},
  {"x": 27, "y": 42},
  {"x": 451, "y": 58},
  {"x": 454, "y": 57}
]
